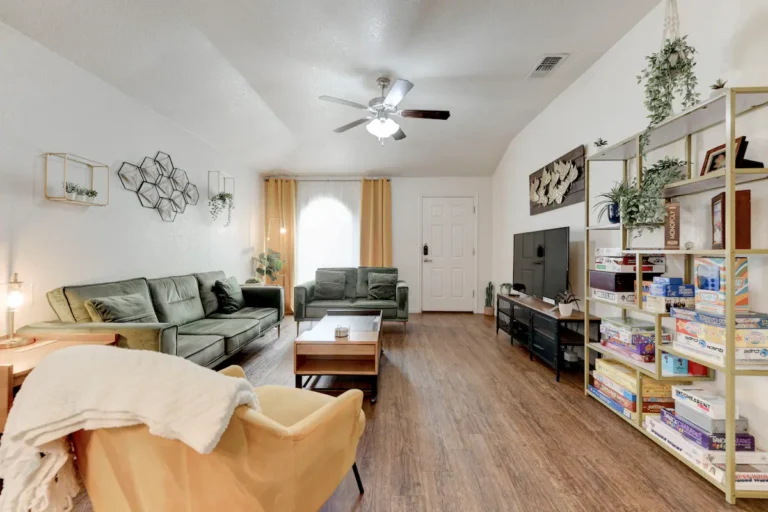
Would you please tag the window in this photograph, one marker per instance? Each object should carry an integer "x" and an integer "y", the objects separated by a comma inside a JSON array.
[{"x": 328, "y": 233}]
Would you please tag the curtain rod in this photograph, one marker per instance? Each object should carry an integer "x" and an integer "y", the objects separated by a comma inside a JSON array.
[{"x": 338, "y": 180}]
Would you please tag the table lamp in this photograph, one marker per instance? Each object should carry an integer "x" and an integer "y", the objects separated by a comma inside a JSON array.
[{"x": 15, "y": 300}]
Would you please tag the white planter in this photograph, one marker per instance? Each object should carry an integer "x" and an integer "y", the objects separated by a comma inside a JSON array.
[
  {"x": 70, "y": 195},
  {"x": 80, "y": 197},
  {"x": 90, "y": 199},
  {"x": 566, "y": 309}
]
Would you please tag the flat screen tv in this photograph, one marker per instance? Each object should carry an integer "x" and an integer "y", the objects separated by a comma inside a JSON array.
[{"x": 540, "y": 264}]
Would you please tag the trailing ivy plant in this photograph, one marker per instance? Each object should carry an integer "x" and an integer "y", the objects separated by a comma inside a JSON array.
[
  {"x": 644, "y": 208},
  {"x": 219, "y": 202},
  {"x": 668, "y": 73}
]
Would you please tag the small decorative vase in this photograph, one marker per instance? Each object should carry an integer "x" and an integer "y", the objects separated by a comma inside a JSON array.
[
  {"x": 614, "y": 214},
  {"x": 566, "y": 309},
  {"x": 70, "y": 195},
  {"x": 80, "y": 197},
  {"x": 90, "y": 199}
]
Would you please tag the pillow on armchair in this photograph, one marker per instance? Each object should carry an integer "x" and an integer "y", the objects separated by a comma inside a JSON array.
[
  {"x": 381, "y": 286},
  {"x": 230, "y": 295},
  {"x": 329, "y": 284}
]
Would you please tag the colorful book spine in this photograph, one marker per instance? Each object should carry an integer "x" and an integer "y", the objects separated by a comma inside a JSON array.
[
  {"x": 611, "y": 403},
  {"x": 702, "y": 400},
  {"x": 618, "y": 373},
  {"x": 616, "y": 397},
  {"x": 689, "y": 430}
]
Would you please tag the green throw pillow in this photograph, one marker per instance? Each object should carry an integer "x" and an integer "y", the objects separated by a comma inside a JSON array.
[
  {"x": 121, "y": 309},
  {"x": 381, "y": 286},
  {"x": 230, "y": 295},
  {"x": 329, "y": 284}
]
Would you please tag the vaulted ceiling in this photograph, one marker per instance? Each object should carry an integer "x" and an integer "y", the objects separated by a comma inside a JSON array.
[{"x": 244, "y": 75}]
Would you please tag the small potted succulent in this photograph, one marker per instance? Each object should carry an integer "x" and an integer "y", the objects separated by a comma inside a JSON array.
[
  {"x": 90, "y": 195},
  {"x": 488, "y": 310},
  {"x": 611, "y": 201},
  {"x": 505, "y": 288},
  {"x": 81, "y": 193},
  {"x": 716, "y": 87},
  {"x": 70, "y": 190},
  {"x": 600, "y": 142},
  {"x": 566, "y": 301},
  {"x": 219, "y": 202}
]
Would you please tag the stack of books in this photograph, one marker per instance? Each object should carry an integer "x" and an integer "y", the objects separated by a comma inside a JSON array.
[
  {"x": 615, "y": 385},
  {"x": 703, "y": 334},
  {"x": 696, "y": 430},
  {"x": 631, "y": 337}
]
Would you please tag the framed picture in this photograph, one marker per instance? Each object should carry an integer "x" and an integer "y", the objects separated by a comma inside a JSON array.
[
  {"x": 716, "y": 158},
  {"x": 743, "y": 212},
  {"x": 718, "y": 221}
]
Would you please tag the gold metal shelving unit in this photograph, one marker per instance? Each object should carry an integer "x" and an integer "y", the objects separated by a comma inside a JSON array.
[{"x": 723, "y": 108}]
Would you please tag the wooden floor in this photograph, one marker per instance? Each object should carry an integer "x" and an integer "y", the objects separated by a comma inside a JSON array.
[{"x": 465, "y": 422}]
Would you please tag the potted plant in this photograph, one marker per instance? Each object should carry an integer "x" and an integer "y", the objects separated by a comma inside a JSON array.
[
  {"x": 220, "y": 202},
  {"x": 488, "y": 310},
  {"x": 717, "y": 87},
  {"x": 90, "y": 195},
  {"x": 600, "y": 142},
  {"x": 566, "y": 302},
  {"x": 505, "y": 288},
  {"x": 611, "y": 201},
  {"x": 80, "y": 193},
  {"x": 269, "y": 265},
  {"x": 643, "y": 208},
  {"x": 70, "y": 190}
]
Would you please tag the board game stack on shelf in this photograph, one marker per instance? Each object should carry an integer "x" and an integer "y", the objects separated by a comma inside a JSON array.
[
  {"x": 613, "y": 279},
  {"x": 631, "y": 337},
  {"x": 695, "y": 429},
  {"x": 615, "y": 384}
]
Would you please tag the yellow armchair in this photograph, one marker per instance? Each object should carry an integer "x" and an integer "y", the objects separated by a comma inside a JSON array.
[{"x": 290, "y": 457}]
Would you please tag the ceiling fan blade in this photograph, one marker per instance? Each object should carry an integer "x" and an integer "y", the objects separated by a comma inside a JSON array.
[
  {"x": 426, "y": 114},
  {"x": 343, "y": 102},
  {"x": 351, "y": 125},
  {"x": 397, "y": 92},
  {"x": 399, "y": 134}
]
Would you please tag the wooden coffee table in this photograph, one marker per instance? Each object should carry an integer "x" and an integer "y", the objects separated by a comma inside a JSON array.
[
  {"x": 16, "y": 363},
  {"x": 319, "y": 352}
]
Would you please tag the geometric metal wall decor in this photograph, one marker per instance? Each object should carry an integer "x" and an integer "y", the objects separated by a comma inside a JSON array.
[
  {"x": 558, "y": 184},
  {"x": 159, "y": 185}
]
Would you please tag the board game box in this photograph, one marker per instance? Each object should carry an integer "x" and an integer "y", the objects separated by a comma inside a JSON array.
[
  {"x": 691, "y": 431},
  {"x": 711, "y": 283}
]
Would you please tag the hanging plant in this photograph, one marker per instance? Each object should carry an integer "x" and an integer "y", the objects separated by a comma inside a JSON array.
[
  {"x": 644, "y": 208},
  {"x": 668, "y": 74},
  {"x": 220, "y": 202}
]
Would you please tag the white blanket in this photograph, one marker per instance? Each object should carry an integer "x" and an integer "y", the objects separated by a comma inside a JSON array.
[{"x": 91, "y": 387}]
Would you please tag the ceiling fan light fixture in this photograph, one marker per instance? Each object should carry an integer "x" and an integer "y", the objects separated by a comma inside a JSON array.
[{"x": 382, "y": 128}]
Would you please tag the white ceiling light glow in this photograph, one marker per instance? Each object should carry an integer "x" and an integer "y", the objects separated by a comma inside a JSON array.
[{"x": 382, "y": 128}]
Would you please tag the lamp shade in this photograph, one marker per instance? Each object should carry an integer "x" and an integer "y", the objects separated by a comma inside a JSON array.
[
  {"x": 382, "y": 128},
  {"x": 15, "y": 299}
]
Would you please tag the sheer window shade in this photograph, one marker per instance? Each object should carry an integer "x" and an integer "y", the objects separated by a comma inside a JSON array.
[{"x": 328, "y": 226}]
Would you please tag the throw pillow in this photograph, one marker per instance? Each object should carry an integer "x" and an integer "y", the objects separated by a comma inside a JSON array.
[
  {"x": 329, "y": 284},
  {"x": 230, "y": 295},
  {"x": 381, "y": 286},
  {"x": 132, "y": 308}
]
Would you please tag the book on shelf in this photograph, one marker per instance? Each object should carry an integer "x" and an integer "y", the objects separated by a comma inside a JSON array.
[
  {"x": 612, "y": 403},
  {"x": 694, "y": 433},
  {"x": 707, "y": 424},
  {"x": 627, "y": 378},
  {"x": 701, "y": 400}
]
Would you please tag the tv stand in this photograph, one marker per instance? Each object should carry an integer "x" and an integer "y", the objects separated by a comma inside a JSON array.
[{"x": 540, "y": 328}]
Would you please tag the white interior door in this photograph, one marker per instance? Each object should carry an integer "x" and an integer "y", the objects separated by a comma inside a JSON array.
[{"x": 448, "y": 268}]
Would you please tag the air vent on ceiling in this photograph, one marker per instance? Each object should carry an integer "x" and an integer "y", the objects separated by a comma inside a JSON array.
[{"x": 547, "y": 64}]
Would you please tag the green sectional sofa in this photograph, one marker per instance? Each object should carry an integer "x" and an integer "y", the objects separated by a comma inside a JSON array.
[
  {"x": 307, "y": 307},
  {"x": 188, "y": 324}
]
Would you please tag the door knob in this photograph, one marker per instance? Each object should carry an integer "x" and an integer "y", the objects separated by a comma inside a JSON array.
[{"x": 427, "y": 260}]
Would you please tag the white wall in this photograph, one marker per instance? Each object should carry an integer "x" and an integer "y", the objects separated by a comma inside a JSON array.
[
  {"x": 607, "y": 102},
  {"x": 48, "y": 104},
  {"x": 407, "y": 243}
]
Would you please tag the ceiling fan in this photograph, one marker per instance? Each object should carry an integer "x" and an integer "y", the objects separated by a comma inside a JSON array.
[{"x": 382, "y": 109}]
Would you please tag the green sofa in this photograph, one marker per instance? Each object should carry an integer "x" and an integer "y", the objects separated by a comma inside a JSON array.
[
  {"x": 306, "y": 307},
  {"x": 189, "y": 322}
]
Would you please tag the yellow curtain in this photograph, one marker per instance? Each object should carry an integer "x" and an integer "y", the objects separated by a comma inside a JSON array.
[
  {"x": 376, "y": 224},
  {"x": 280, "y": 212}
]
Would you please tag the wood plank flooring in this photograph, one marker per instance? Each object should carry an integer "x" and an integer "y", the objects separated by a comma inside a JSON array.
[{"x": 465, "y": 422}]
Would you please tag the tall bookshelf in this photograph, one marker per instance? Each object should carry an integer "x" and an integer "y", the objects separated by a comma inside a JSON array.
[{"x": 722, "y": 108}]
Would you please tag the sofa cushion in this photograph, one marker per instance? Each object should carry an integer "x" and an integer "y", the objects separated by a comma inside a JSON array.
[
  {"x": 121, "y": 309},
  {"x": 236, "y": 332},
  {"x": 329, "y": 284},
  {"x": 176, "y": 299},
  {"x": 201, "y": 350},
  {"x": 229, "y": 295},
  {"x": 205, "y": 282},
  {"x": 77, "y": 295},
  {"x": 350, "y": 280},
  {"x": 374, "y": 304},
  {"x": 381, "y": 286},
  {"x": 267, "y": 316},
  {"x": 362, "y": 278}
]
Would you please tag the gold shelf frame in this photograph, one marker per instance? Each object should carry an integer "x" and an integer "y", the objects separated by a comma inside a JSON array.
[{"x": 91, "y": 164}]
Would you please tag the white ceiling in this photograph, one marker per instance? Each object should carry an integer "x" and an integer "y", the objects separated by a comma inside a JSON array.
[{"x": 244, "y": 75}]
